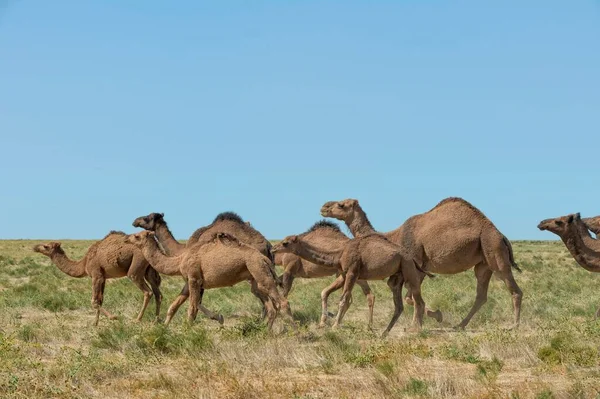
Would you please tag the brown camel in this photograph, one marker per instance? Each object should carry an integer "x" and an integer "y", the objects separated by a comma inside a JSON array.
[
  {"x": 108, "y": 258},
  {"x": 451, "y": 238},
  {"x": 574, "y": 233},
  {"x": 227, "y": 222},
  {"x": 370, "y": 257},
  {"x": 220, "y": 260},
  {"x": 322, "y": 234},
  {"x": 593, "y": 224}
]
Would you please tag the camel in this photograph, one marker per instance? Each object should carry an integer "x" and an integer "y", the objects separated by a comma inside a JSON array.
[
  {"x": 326, "y": 235},
  {"x": 370, "y": 257},
  {"x": 593, "y": 224},
  {"x": 219, "y": 260},
  {"x": 108, "y": 258},
  {"x": 452, "y": 237},
  {"x": 227, "y": 222},
  {"x": 573, "y": 232}
]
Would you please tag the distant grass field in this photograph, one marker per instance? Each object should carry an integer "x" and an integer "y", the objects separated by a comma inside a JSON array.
[{"x": 49, "y": 348}]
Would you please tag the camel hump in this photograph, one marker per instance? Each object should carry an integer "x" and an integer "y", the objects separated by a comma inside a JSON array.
[
  {"x": 461, "y": 201},
  {"x": 231, "y": 216},
  {"x": 324, "y": 224},
  {"x": 115, "y": 232}
]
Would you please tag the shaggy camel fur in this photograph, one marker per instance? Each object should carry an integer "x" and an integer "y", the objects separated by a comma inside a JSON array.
[
  {"x": 220, "y": 260},
  {"x": 108, "y": 258},
  {"x": 574, "y": 233},
  {"x": 370, "y": 257},
  {"x": 327, "y": 235},
  {"x": 227, "y": 222},
  {"x": 593, "y": 224},
  {"x": 451, "y": 238}
]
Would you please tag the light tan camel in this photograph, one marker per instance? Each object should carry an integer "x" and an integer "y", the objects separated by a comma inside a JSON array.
[
  {"x": 108, "y": 258},
  {"x": 227, "y": 222},
  {"x": 593, "y": 224},
  {"x": 370, "y": 257},
  {"x": 327, "y": 235},
  {"x": 217, "y": 261},
  {"x": 451, "y": 238}
]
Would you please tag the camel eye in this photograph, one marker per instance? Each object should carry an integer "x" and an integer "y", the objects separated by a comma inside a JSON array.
[
  {"x": 340, "y": 205},
  {"x": 285, "y": 243},
  {"x": 559, "y": 223}
]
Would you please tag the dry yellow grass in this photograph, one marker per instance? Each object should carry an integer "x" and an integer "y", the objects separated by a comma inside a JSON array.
[{"x": 49, "y": 348}]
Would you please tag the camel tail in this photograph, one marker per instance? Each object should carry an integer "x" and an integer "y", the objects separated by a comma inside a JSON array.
[
  {"x": 271, "y": 256},
  {"x": 153, "y": 275},
  {"x": 419, "y": 268},
  {"x": 511, "y": 256}
]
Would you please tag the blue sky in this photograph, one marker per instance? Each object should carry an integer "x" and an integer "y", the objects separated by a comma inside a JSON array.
[{"x": 114, "y": 109}]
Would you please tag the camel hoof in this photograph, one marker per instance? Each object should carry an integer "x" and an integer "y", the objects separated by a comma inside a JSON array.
[
  {"x": 459, "y": 327},
  {"x": 385, "y": 334},
  {"x": 439, "y": 317},
  {"x": 220, "y": 319}
]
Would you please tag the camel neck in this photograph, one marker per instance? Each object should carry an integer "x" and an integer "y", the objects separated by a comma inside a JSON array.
[
  {"x": 360, "y": 225},
  {"x": 585, "y": 250},
  {"x": 319, "y": 256},
  {"x": 166, "y": 239},
  {"x": 68, "y": 266},
  {"x": 168, "y": 265}
]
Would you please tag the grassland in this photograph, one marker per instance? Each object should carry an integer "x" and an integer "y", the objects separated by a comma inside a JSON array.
[{"x": 49, "y": 348}]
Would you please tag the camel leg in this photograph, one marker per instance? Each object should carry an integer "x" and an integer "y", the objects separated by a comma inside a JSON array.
[
  {"x": 261, "y": 298},
  {"x": 180, "y": 300},
  {"x": 136, "y": 273},
  {"x": 98, "y": 284},
  {"x": 395, "y": 283},
  {"x": 336, "y": 285},
  {"x": 287, "y": 279},
  {"x": 153, "y": 278},
  {"x": 483, "y": 275},
  {"x": 434, "y": 314},
  {"x": 195, "y": 286},
  {"x": 364, "y": 285},
  {"x": 597, "y": 315},
  {"x": 349, "y": 281},
  {"x": 269, "y": 306},
  {"x": 516, "y": 294},
  {"x": 266, "y": 285}
]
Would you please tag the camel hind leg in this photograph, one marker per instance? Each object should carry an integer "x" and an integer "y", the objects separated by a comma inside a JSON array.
[
  {"x": 498, "y": 259},
  {"x": 265, "y": 284},
  {"x": 434, "y": 314},
  {"x": 483, "y": 274},
  {"x": 366, "y": 289},
  {"x": 395, "y": 283},
  {"x": 336, "y": 285}
]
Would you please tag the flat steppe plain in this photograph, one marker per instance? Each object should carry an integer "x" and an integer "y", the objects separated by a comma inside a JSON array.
[{"x": 49, "y": 347}]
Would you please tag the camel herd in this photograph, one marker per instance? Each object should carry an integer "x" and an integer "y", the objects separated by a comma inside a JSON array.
[{"x": 452, "y": 237}]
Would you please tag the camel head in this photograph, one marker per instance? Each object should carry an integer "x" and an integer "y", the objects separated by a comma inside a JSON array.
[
  {"x": 139, "y": 239},
  {"x": 48, "y": 249},
  {"x": 341, "y": 210},
  {"x": 286, "y": 245},
  {"x": 561, "y": 225},
  {"x": 149, "y": 222},
  {"x": 593, "y": 224}
]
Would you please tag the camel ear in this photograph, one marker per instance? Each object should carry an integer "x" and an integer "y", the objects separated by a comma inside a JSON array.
[
  {"x": 570, "y": 219},
  {"x": 294, "y": 238},
  {"x": 578, "y": 216},
  {"x": 353, "y": 202}
]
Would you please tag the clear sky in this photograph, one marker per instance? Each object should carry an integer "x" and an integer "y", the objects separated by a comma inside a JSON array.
[{"x": 114, "y": 109}]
